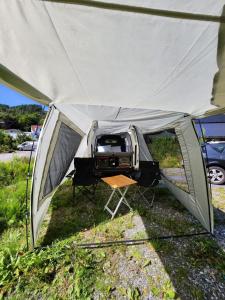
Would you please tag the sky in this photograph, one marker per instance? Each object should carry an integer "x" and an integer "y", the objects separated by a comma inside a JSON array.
[{"x": 12, "y": 98}]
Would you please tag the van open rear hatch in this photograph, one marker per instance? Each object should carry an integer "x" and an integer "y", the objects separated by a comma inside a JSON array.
[{"x": 113, "y": 154}]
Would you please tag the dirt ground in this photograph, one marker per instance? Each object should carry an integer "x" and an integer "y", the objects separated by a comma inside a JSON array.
[{"x": 178, "y": 268}]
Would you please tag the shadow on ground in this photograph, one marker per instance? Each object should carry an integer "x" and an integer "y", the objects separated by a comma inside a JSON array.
[{"x": 188, "y": 268}]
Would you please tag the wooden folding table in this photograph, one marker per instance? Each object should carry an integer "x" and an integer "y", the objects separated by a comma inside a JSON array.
[{"x": 119, "y": 185}]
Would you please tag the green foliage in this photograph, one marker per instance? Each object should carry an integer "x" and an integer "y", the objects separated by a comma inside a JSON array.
[
  {"x": 32, "y": 273},
  {"x": 12, "y": 192},
  {"x": 13, "y": 171},
  {"x": 206, "y": 251},
  {"x": 23, "y": 138},
  {"x": 65, "y": 271},
  {"x": 167, "y": 151},
  {"x": 22, "y": 116},
  {"x": 6, "y": 142},
  {"x": 133, "y": 294},
  {"x": 12, "y": 204},
  {"x": 18, "y": 117}
]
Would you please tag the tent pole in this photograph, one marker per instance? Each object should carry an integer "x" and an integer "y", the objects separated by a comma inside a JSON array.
[
  {"x": 137, "y": 241},
  {"x": 27, "y": 186},
  {"x": 131, "y": 242}
]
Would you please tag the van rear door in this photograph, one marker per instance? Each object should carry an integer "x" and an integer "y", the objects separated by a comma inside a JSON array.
[{"x": 135, "y": 146}]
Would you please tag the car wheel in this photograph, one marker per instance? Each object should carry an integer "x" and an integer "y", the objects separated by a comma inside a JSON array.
[{"x": 216, "y": 175}]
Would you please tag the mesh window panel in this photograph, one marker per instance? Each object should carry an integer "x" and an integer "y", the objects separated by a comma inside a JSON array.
[{"x": 65, "y": 150}]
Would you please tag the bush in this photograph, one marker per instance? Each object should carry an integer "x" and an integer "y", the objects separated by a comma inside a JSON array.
[
  {"x": 22, "y": 138},
  {"x": 12, "y": 204},
  {"x": 12, "y": 192},
  {"x": 6, "y": 142},
  {"x": 13, "y": 171},
  {"x": 167, "y": 151}
]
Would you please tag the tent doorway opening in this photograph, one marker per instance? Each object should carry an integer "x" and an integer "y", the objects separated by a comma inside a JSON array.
[
  {"x": 91, "y": 226},
  {"x": 87, "y": 224},
  {"x": 113, "y": 148}
]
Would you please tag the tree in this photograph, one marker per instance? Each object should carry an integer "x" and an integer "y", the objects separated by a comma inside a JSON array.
[
  {"x": 6, "y": 142},
  {"x": 21, "y": 117}
]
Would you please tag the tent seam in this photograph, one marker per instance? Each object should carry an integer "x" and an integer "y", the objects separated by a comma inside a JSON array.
[{"x": 65, "y": 51}]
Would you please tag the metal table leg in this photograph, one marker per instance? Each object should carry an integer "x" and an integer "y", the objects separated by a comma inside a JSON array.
[{"x": 121, "y": 200}]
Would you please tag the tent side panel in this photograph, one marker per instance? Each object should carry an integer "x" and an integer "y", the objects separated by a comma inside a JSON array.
[
  {"x": 198, "y": 201},
  {"x": 144, "y": 154},
  {"x": 64, "y": 152},
  {"x": 39, "y": 167},
  {"x": 58, "y": 146}
]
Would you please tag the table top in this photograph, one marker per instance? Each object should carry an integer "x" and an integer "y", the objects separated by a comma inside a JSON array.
[{"x": 118, "y": 181}]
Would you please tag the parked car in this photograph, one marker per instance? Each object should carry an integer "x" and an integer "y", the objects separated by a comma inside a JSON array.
[
  {"x": 27, "y": 146},
  {"x": 214, "y": 155}
]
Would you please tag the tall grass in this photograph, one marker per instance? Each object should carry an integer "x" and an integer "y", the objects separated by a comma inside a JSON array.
[
  {"x": 167, "y": 151},
  {"x": 13, "y": 171},
  {"x": 12, "y": 204},
  {"x": 12, "y": 192}
]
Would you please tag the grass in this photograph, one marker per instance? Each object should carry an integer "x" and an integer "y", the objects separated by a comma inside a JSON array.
[
  {"x": 12, "y": 204},
  {"x": 165, "y": 269},
  {"x": 167, "y": 151},
  {"x": 13, "y": 171},
  {"x": 12, "y": 192}
]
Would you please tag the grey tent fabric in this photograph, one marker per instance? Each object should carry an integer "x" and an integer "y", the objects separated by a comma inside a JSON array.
[
  {"x": 144, "y": 63},
  {"x": 141, "y": 59},
  {"x": 144, "y": 154},
  {"x": 64, "y": 152},
  {"x": 57, "y": 146},
  {"x": 198, "y": 200}
]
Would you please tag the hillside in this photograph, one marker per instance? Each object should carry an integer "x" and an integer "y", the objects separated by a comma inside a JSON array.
[{"x": 21, "y": 117}]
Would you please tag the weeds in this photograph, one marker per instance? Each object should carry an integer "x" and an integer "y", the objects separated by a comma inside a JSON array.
[
  {"x": 12, "y": 204},
  {"x": 64, "y": 271},
  {"x": 55, "y": 265},
  {"x": 166, "y": 150},
  {"x": 13, "y": 171}
]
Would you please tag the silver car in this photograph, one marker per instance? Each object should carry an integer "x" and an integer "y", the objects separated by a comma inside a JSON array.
[{"x": 27, "y": 146}]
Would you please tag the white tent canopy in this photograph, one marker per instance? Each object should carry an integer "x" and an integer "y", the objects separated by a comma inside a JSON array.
[{"x": 151, "y": 64}]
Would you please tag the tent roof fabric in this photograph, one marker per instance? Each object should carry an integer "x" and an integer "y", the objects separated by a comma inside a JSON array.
[
  {"x": 117, "y": 119},
  {"x": 161, "y": 55}
]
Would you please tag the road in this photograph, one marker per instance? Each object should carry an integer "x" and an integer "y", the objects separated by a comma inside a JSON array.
[{"x": 9, "y": 156}]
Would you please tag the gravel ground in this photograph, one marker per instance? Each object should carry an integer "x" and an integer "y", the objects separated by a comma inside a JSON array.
[
  {"x": 185, "y": 268},
  {"x": 181, "y": 268}
]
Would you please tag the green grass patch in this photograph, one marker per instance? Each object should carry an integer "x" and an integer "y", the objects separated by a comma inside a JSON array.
[
  {"x": 167, "y": 151},
  {"x": 61, "y": 270},
  {"x": 12, "y": 204},
  {"x": 13, "y": 171}
]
